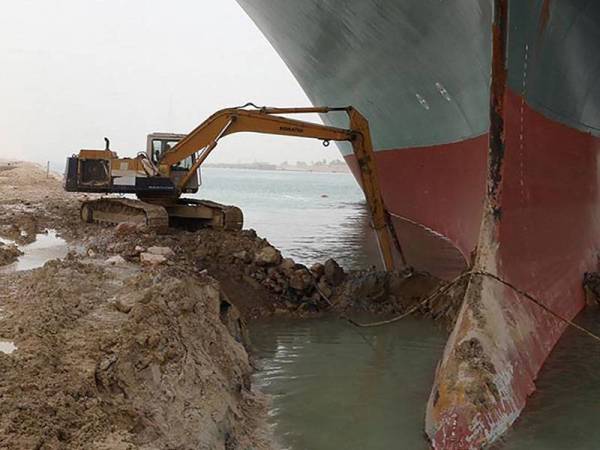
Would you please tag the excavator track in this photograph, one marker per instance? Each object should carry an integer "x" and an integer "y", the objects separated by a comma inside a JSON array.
[
  {"x": 113, "y": 211},
  {"x": 225, "y": 217},
  {"x": 190, "y": 213}
]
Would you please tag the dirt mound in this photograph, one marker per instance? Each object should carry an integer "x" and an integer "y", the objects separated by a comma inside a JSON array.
[{"x": 122, "y": 358}]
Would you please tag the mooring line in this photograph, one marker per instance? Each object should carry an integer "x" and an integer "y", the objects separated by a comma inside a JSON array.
[
  {"x": 342, "y": 316},
  {"x": 530, "y": 297},
  {"x": 443, "y": 289}
]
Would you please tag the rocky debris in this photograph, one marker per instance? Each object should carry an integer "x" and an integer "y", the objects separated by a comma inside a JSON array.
[
  {"x": 22, "y": 229},
  {"x": 317, "y": 270},
  {"x": 324, "y": 289},
  {"x": 243, "y": 256},
  {"x": 333, "y": 273},
  {"x": 115, "y": 260},
  {"x": 301, "y": 280},
  {"x": 370, "y": 287},
  {"x": 152, "y": 259},
  {"x": 287, "y": 266},
  {"x": 153, "y": 256},
  {"x": 163, "y": 251},
  {"x": 253, "y": 271},
  {"x": 267, "y": 256},
  {"x": 9, "y": 253},
  {"x": 383, "y": 292}
]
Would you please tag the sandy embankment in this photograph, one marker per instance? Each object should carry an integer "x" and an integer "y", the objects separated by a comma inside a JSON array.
[
  {"x": 115, "y": 353},
  {"x": 114, "y": 356}
]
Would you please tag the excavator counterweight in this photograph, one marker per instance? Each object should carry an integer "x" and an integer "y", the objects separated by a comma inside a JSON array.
[{"x": 170, "y": 167}]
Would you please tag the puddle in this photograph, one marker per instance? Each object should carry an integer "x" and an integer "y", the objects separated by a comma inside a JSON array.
[
  {"x": 7, "y": 347},
  {"x": 47, "y": 246}
]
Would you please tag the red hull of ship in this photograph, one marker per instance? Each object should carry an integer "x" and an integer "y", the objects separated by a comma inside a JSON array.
[
  {"x": 435, "y": 196},
  {"x": 547, "y": 238}
]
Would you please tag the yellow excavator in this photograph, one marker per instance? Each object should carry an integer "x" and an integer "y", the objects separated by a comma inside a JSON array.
[{"x": 171, "y": 163}]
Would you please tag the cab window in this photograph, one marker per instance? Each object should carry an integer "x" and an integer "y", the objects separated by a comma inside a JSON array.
[
  {"x": 156, "y": 150},
  {"x": 160, "y": 146}
]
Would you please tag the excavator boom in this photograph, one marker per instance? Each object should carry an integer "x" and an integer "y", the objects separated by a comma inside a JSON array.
[
  {"x": 200, "y": 142},
  {"x": 236, "y": 120}
]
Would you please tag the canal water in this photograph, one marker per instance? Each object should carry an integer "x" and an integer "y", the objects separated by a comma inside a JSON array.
[
  {"x": 333, "y": 388},
  {"x": 309, "y": 215},
  {"x": 564, "y": 412}
]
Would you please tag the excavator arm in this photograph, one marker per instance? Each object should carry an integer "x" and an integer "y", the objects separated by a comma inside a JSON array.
[
  {"x": 204, "y": 139},
  {"x": 237, "y": 120}
]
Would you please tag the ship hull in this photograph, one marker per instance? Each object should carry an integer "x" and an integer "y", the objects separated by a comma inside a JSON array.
[
  {"x": 455, "y": 186},
  {"x": 545, "y": 241},
  {"x": 413, "y": 70}
]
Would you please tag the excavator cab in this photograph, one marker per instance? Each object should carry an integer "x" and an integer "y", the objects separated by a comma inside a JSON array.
[{"x": 159, "y": 143}]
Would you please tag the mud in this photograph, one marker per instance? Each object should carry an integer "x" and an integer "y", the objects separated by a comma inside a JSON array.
[
  {"x": 478, "y": 362},
  {"x": 120, "y": 350},
  {"x": 118, "y": 357},
  {"x": 8, "y": 253}
]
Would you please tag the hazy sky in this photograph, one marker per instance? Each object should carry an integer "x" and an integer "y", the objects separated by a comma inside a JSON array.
[{"x": 73, "y": 71}]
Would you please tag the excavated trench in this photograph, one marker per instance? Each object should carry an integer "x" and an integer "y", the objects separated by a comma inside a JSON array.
[{"x": 331, "y": 387}]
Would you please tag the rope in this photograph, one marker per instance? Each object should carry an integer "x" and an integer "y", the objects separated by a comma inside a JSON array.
[
  {"x": 342, "y": 316},
  {"x": 443, "y": 289},
  {"x": 541, "y": 305},
  {"x": 439, "y": 291}
]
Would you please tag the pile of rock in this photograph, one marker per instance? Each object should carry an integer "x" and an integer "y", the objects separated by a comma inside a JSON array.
[
  {"x": 125, "y": 252},
  {"x": 155, "y": 255},
  {"x": 256, "y": 271},
  {"x": 296, "y": 283}
]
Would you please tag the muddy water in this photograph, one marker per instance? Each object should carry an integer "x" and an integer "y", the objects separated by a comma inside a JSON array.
[
  {"x": 47, "y": 246},
  {"x": 333, "y": 388},
  {"x": 564, "y": 413}
]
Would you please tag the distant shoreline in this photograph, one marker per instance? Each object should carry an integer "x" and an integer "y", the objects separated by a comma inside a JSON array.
[{"x": 334, "y": 167}]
